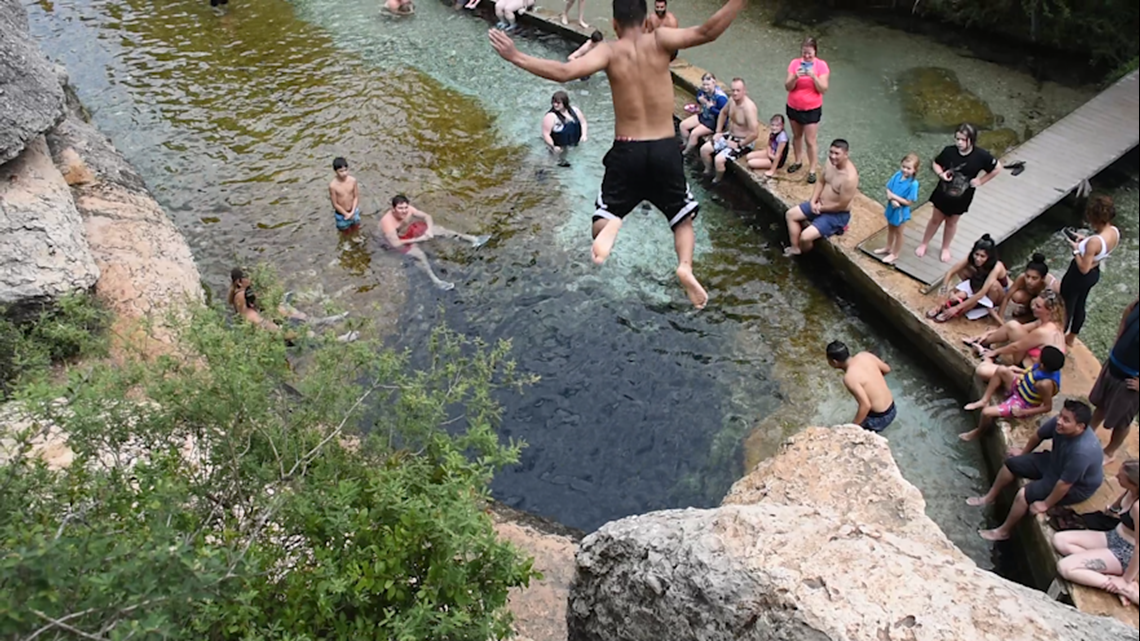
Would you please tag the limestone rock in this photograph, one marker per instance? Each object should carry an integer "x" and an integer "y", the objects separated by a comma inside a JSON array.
[
  {"x": 998, "y": 141},
  {"x": 31, "y": 99},
  {"x": 934, "y": 101},
  {"x": 43, "y": 251},
  {"x": 807, "y": 560}
]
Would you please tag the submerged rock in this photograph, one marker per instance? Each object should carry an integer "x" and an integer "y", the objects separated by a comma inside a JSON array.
[
  {"x": 998, "y": 141},
  {"x": 934, "y": 101},
  {"x": 31, "y": 100},
  {"x": 824, "y": 542}
]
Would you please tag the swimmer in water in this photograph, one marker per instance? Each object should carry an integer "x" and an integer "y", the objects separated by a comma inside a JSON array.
[
  {"x": 644, "y": 162},
  {"x": 403, "y": 226},
  {"x": 400, "y": 7},
  {"x": 588, "y": 46},
  {"x": 344, "y": 192}
]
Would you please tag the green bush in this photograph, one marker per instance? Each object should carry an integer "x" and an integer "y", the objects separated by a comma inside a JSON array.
[
  {"x": 72, "y": 328},
  {"x": 243, "y": 500}
]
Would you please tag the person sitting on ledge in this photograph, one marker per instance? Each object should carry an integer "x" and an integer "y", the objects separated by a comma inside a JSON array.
[
  {"x": 1029, "y": 392},
  {"x": 1070, "y": 472},
  {"x": 1107, "y": 560},
  {"x": 737, "y": 126},
  {"x": 982, "y": 282},
  {"x": 1022, "y": 342},
  {"x": 829, "y": 210},
  {"x": 1029, "y": 285},
  {"x": 711, "y": 100},
  {"x": 863, "y": 377},
  {"x": 772, "y": 157},
  {"x": 400, "y": 7}
]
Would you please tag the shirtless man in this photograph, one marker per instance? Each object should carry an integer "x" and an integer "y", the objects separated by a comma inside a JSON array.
[
  {"x": 863, "y": 376},
  {"x": 403, "y": 226},
  {"x": 400, "y": 7},
  {"x": 344, "y": 192},
  {"x": 829, "y": 210},
  {"x": 662, "y": 17},
  {"x": 743, "y": 129},
  {"x": 645, "y": 161}
]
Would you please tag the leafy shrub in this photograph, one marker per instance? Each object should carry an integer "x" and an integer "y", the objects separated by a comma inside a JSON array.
[
  {"x": 242, "y": 500},
  {"x": 70, "y": 329}
]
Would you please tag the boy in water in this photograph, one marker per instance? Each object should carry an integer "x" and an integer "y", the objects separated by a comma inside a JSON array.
[
  {"x": 344, "y": 192},
  {"x": 645, "y": 161},
  {"x": 403, "y": 226},
  {"x": 863, "y": 375}
]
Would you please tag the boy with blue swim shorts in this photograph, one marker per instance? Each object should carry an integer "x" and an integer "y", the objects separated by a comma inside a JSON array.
[{"x": 344, "y": 192}]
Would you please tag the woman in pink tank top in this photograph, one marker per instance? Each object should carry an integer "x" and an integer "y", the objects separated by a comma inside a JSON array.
[{"x": 807, "y": 81}]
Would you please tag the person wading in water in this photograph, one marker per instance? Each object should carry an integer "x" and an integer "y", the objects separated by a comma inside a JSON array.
[{"x": 645, "y": 161}]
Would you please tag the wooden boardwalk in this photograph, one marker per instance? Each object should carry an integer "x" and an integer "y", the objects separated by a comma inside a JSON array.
[{"x": 1075, "y": 148}]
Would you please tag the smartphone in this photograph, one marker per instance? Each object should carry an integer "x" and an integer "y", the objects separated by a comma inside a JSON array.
[{"x": 805, "y": 65}]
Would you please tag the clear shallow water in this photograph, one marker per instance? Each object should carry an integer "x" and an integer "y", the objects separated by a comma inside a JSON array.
[{"x": 643, "y": 404}]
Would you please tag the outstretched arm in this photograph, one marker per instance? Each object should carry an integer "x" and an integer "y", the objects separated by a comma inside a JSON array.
[
  {"x": 592, "y": 62},
  {"x": 674, "y": 39}
]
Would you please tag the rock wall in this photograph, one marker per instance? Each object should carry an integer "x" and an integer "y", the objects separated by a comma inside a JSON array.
[
  {"x": 73, "y": 213},
  {"x": 824, "y": 542}
]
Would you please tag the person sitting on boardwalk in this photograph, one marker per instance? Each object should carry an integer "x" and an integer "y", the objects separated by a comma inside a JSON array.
[
  {"x": 1070, "y": 472},
  {"x": 1107, "y": 560},
  {"x": 1022, "y": 342},
  {"x": 961, "y": 168},
  {"x": 772, "y": 157},
  {"x": 1088, "y": 254},
  {"x": 595, "y": 38},
  {"x": 564, "y": 126},
  {"x": 807, "y": 81},
  {"x": 902, "y": 192},
  {"x": 1116, "y": 393},
  {"x": 711, "y": 99},
  {"x": 1028, "y": 285},
  {"x": 1028, "y": 392},
  {"x": 403, "y": 226},
  {"x": 400, "y": 7},
  {"x": 645, "y": 162},
  {"x": 829, "y": 210},
  {"x": 741, "y": 121},
  {"x": 863, "y": 376},
  {"x": 982, "y": 282}
]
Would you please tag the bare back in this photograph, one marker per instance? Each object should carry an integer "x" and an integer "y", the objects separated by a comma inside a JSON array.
[
  {"x": 642, "y": 87},
  {"x": 865, "y": 371}
]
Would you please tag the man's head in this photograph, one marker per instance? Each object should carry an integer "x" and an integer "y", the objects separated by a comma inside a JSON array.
[
  {"x": 837, "y": 152},
  {"x": 238, "y": 277},
  {"x": 1052, "y": 359},
  {"x": 401, "y": 206},
  {"x": 1074, "y": 418},
  {"x": 837, "y": 354},
  {"x": 596, "y": 36},
  {"x": 340, "y": 166},
  {"x": 628, "y": 14},
  {"x": 739, "y": 91},
  {"x": 660, "y": 7}
]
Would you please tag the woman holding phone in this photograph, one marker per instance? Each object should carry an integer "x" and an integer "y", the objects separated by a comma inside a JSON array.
[{"x": 807, "y": 81}]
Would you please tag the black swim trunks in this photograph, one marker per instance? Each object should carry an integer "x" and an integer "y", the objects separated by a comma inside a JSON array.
[{"x": 638, "y": 170}]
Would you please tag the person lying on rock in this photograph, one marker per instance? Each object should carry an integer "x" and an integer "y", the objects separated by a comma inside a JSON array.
[
  {"x": 1107, "y": 560},
  {"x": 243, "y": 300},
  {"x": 1070, "y": 472},
  {"x": 863, "y": 376},
  {"x": 1029, "y": 392}
]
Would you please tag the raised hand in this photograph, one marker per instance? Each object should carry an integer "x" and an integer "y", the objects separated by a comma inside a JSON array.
[{"x": 502, "y": 44}]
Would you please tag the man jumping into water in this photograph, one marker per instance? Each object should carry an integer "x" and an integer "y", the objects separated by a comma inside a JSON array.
[
  {"x": 403, "y": 226},
  {"x": 645, "y": 162}
]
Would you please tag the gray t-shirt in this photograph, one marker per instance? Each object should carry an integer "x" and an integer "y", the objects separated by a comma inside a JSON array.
[{"x": 1074, "y": 459}]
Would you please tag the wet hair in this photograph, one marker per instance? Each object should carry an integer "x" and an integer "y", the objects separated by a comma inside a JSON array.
[
  {"x": 399, "y": 199},
  {"x": 840, "y": 143},
  {"x": 596, "y": 36},
  {"x": 629, "y": 13},
  {"x": 837, "y": 351},
  {"x": 912, "y": 158},
  {"x": 810, "y": 42},
  {"x": 1052, "y": 359},
  {"x": 969, "y": 131},
  {"x": 1080, "y": 410},
  {"x": 1131, "y": 469},
  {"x": 1100, "y": 210},
  {"x": 1037, "y": 264},
  {"x": 562, "y": 97},
  {"x": 339, "y": 163},
  {"x": 236, "y": 274}
]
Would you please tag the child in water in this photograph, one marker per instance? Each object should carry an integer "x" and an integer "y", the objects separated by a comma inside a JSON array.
[
  {"x": 771, "y": 158},
  {"x": 902, "y": 191},
  {"x": 344, "y": 192}
]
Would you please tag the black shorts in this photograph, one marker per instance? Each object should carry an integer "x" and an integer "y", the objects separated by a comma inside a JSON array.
[
  {"x": 642, "y": 170},
  {"x": 1036, "y": 467},
  {"x": 950, "y": 206},
  {"x": 809, "y": 117}
]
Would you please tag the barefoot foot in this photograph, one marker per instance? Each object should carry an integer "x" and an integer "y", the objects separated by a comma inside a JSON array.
[
  {"x": 697, "y": 294},
  {"x": 945, "y": 256},
  {"x": 969, "y": 436},
  {"x": 976, "y": 405},
  {"x": 583, "y": 25},
  {"x": 604, "y": 241},
  {"x": 920, "y": 251},
  {"x": 977, "y": 501},
  {"x": 993, "y": 535},
  {"x": 890, "y": 259},
  {"x": 444, "y": 286},
  {"x": 882, "y": 251},
  {"x": 481, "y": 240},
  {"x": 792, "y": 251},
  {"x": 563, "y": 19}
]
